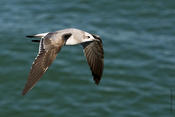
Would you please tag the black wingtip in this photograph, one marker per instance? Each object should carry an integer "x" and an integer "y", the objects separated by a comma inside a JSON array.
[
  {"x": 97, "y": 81},
  {"x": 96, "y": 78}
]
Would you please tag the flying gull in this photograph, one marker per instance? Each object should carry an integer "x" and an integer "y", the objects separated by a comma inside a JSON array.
[{"x": 51, "y": 43}]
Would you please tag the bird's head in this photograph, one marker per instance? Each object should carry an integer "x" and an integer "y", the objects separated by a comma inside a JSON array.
[
  {"x": 88, "y": 37},
  {"x": 91, "y": 37}
]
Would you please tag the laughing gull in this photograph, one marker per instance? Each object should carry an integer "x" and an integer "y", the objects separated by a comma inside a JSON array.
[{"x": 51, "y": 43}]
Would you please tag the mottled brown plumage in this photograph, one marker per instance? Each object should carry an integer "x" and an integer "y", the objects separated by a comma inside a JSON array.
[
  {"x": 51, "y": 44},
  {"x": 43, "y": 60}
]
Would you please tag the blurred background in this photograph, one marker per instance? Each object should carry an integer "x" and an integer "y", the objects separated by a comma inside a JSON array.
[{"x": 139, "y": 45}]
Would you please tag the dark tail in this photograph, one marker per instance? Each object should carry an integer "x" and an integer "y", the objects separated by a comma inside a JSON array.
[
  {"x": 36, "y": 41},
  {"x": 30, "y": 36},
  {"x": 33, "y": 36}
]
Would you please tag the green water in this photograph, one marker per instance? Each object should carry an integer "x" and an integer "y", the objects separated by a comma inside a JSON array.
[{"x": 139, "y": 45}]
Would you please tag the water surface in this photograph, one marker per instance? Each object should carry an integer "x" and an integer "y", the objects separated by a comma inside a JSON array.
[{"x": 138, "y": 39}]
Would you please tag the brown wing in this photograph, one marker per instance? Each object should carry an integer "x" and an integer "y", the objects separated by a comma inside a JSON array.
[
  {"x": 95, "y": 58},
  {"x": 40, "y": 65}
]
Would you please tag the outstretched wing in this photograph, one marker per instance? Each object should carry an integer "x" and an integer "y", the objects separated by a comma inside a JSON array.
[
  {"x": 43, "y": 60},
  {"x": 95, "y": 58}
]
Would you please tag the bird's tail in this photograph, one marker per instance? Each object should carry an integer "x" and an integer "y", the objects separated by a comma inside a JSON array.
[{"x": 37, "y": 35}]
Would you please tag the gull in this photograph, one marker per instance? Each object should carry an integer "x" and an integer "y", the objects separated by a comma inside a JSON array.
[{"x": 50, "y": 44}]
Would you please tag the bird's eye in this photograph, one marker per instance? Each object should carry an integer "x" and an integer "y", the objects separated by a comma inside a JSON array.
[
  {"x": 88, "y": 36},
  {"x": 66, "y": 36}
]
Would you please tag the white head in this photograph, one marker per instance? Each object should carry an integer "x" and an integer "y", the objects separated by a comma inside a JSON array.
[
  {"x": 73, "y": 38},
  {"x": 88, "y": 37}
]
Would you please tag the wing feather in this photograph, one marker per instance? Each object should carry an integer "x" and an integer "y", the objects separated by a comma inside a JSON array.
[
  {"x": 40, "y": 65},
  {"x": 95, "y": 57}
]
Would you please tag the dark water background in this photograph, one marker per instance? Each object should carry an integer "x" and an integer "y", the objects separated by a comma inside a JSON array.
[{"x": 139, "y": 45}]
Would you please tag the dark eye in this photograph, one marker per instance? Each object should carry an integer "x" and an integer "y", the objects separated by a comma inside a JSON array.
[
  {"x": 66, "y": 36},
  {"x": 88, "y": 36}
]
